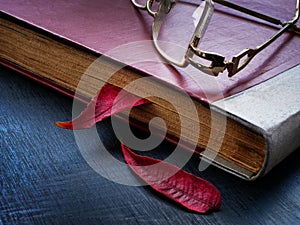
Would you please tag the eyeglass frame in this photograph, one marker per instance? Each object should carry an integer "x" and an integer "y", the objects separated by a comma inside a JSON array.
[{"x": 218, "y": 62}]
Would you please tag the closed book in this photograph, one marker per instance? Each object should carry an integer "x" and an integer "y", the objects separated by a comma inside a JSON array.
[{"x": 245, "y": 124}]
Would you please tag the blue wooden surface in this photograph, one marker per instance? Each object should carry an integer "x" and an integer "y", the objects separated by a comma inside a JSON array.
[{"x": 45, "y": 180}]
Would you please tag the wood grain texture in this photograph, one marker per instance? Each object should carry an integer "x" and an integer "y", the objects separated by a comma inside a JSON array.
[{"x": 45, "y": 180}]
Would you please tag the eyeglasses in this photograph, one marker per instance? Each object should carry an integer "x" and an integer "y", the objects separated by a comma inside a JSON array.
[{"x": 209, "y": 62}]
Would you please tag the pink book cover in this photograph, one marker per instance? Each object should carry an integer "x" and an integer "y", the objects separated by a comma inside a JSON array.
[{"x": 101, "y": 26}]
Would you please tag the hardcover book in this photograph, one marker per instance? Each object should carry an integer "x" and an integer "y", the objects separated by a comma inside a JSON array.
[{"x": 246, "y": 124}]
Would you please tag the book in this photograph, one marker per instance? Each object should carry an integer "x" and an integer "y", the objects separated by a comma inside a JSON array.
[{"x": 56, "y": 45}]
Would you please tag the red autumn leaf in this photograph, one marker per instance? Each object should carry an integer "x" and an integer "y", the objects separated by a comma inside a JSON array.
[
  {"x": 184, "y": 188},
  {"x": 103, "y": 106}
]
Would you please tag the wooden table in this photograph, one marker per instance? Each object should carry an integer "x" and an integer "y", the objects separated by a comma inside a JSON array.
[{"x": 45, "y": 180}]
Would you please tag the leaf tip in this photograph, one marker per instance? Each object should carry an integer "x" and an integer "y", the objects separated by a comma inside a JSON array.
[{"x": 64, "y": 125}]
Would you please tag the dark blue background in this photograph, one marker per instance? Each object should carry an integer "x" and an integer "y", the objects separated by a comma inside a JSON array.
[{"x": 45, "y": 180}]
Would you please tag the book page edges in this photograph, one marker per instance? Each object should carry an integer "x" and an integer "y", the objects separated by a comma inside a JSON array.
[{"x": 272, "y": 109}]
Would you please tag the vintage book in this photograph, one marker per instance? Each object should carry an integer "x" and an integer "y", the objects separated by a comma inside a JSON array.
[{"x": 55, "y": 44}]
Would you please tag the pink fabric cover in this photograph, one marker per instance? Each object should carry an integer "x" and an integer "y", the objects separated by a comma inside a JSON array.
[{"x": 102, "y": 25}]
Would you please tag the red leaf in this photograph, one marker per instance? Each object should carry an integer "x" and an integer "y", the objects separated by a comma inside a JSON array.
[
  {"x": 184, "y": 188},
  {"x": 103, "y": 106}
]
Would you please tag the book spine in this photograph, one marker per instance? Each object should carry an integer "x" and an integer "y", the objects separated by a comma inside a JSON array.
[{"x": 272, "y": 109}]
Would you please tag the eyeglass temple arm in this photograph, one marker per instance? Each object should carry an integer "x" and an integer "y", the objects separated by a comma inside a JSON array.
[
  {"x": 235, "y": 66},
  {"x": 218, "y": 63},
  {"x": 253, "y": 13}
]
